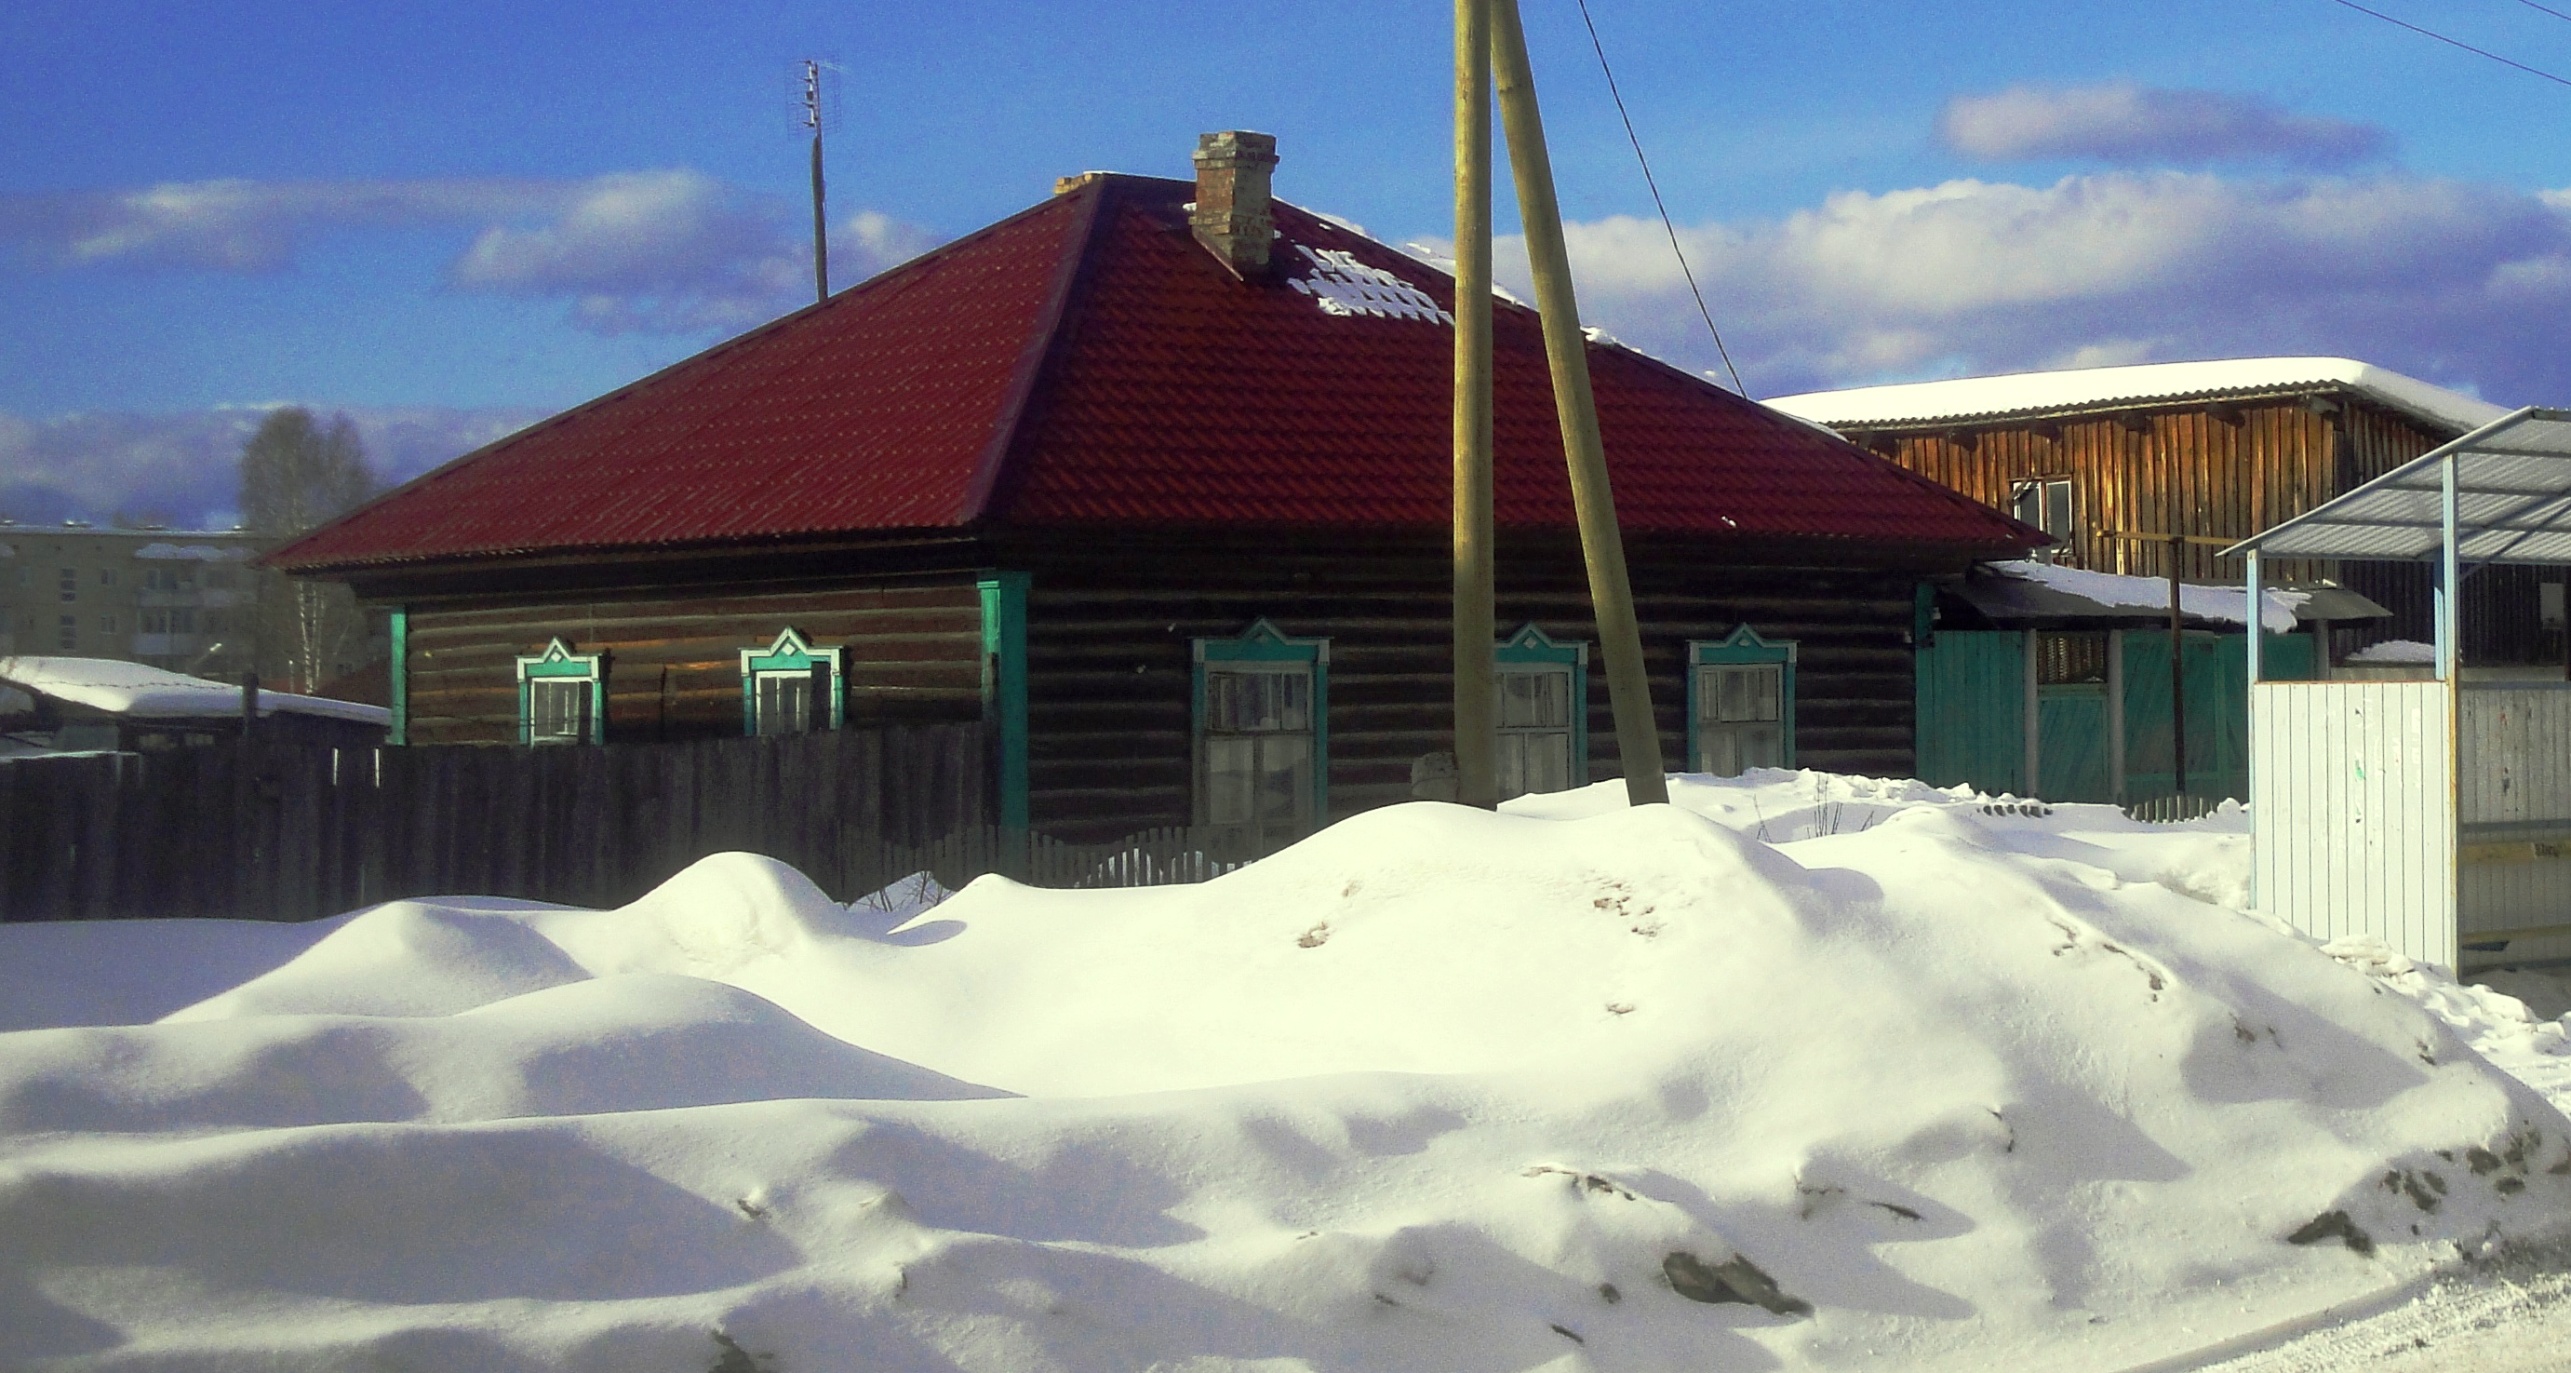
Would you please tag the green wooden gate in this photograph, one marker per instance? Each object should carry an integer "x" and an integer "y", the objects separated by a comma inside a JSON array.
[
  {"x": 1971, "y": 696},
  {"x": 1970, "y": 690}
]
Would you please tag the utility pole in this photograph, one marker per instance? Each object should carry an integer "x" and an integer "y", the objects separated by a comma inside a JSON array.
[
  {"x": 820, "y": 223},
  {"x": 1610, "y": 590},
  {"x": 1476, "y": 628}
]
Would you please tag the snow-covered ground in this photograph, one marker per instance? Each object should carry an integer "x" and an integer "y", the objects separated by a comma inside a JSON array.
[{"x": 1804, "y": 1071}]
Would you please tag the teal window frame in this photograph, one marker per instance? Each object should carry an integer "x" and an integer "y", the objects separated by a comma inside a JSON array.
[
  {"x": 790, "y": 654},
  {"x": 1262, "y": 642},
  {"x": 399, "y": 677},
  {"x": 559, "y": 663},
  {"x": 1533, "y": 650},
  {"x": 1744, "y": 646}
]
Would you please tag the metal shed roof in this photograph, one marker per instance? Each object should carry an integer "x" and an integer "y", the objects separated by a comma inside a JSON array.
[{"x": 2512, "y": 480}]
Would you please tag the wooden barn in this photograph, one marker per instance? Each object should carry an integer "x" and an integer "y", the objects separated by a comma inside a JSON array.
[
  {"x": 1164, "y": 491},
  {"x": 2114, "y": 461}
]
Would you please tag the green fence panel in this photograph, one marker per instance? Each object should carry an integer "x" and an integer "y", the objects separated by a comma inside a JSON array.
[
  {"x": 2218, "y": 712},
  {"x": 2071, "y": 743},
  {"x": 1971, "y": 698}
]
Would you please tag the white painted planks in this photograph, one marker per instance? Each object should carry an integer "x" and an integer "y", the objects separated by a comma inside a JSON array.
[{"x": 2353, "y": 810}]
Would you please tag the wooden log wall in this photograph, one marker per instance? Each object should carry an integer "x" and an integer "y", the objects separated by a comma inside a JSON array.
[
  {"x": 1110, "y": 661},
  {"x": 289, "y": 832},
  {"x": 915, "y": 655}
]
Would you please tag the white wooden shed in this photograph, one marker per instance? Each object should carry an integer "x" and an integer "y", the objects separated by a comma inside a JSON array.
[{"x": 2434, "y": 814}]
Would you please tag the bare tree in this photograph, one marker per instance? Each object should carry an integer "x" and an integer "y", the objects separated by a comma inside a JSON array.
[{"x": 297, "y": 475}]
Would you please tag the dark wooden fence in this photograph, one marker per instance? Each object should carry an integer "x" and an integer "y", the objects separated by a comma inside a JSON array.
[{"x": 290, "y": 833}]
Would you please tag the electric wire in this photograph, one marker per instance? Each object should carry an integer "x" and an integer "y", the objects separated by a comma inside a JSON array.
[
  {"x": 2548, "y": 9},
  {"x": 1657, "y": 203},
  {"x": 2457, "y": 42}
]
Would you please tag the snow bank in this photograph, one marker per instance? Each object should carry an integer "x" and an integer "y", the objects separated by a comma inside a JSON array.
[{"x": 1803, "y": 1071}]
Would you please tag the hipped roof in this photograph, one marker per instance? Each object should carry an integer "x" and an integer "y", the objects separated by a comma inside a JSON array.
[{"x": 1087, "y": 362}]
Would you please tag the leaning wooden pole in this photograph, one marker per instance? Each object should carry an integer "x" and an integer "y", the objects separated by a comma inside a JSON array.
[
  {"x": 1476, "y": 630},
  {"x": 1610, "y": 591}
]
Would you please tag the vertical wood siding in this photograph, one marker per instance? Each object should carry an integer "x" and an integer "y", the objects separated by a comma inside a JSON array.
[
  {"x": 2193, "y": 470},
  {"x": 2353, "y": 811},
  {"x": 915, "y": 656}
]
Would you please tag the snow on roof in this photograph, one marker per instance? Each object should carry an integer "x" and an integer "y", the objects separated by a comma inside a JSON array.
[
  {"x": 2080, "y": 388},
  {"x": 197, "y": 552},
  {"x": 2225, "y": 603},
  {"x": 2395, "y": 651},
  {"x": 123, "y": 688}
]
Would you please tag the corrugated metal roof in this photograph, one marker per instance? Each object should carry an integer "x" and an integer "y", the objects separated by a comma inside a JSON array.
[
  {"x": 1087, "y": 362},
  {"x": 2512, "y": 502},
  {"x": 2158, "y": 383}
]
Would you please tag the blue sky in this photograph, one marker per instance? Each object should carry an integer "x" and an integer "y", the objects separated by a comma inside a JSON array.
[{"x": 448, "y": 219}]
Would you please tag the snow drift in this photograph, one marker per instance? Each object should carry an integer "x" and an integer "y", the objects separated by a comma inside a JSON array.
[{"x": 1801, "y": 1072}]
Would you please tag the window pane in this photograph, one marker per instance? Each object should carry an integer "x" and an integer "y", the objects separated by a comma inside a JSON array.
[
  {"x": 1717, "y": 752},
  {"x": 1229, "y": 767},
  {"x": 558, "y": 710},
  {"x": 1537, "y": 699},
  {"x": 1510, "y": 772},
  {"x": 1548, "y": 762},
  {"x": 1241, "y": 701},
  {"x": 1761, "y": 746},
  {"x": 2057, "y": 509},
  {"x": 782, "y": 703},
  {"x": 1285, "y": 781},
  {"x": 1767, "y": 685},
  {"x": 2028, "y": 505}
]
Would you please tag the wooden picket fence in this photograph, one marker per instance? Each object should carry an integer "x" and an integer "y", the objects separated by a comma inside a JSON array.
[{"x": 284, "y": 832}]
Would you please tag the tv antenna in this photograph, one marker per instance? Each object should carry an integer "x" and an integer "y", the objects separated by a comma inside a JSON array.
[{"x": 812, "y": 119}]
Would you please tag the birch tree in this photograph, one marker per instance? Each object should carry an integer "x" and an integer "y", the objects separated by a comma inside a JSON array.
[{"x": 296, "y": 475}]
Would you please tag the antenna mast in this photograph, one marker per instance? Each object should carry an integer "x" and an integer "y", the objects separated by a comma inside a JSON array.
[{"x": 820, "y": 224}]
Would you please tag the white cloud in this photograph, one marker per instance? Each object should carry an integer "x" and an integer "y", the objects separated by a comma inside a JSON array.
[
  {"x": 184, "y": 467},
  {"x": 659, "y": 251},
  {"x": 2126, "y": 123},
  {"x": 2456, "y": 281}
]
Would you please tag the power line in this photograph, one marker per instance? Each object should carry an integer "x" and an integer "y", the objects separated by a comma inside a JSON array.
[
  {"x": 2530, "y": 4},
  {"x": 2459, "y": 43},
  {"x": 1657, "y": 203}
]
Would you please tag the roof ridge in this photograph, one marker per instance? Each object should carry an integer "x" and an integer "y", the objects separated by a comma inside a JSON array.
[{"x": 1004, "y": 449}]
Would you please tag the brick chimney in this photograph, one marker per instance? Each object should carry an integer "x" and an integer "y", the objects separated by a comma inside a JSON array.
[{"x": 1231, "y": 217}]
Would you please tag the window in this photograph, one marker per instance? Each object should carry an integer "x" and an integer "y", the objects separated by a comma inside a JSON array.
[
  {"x": 1740, "y": 704},
  {"x": 70, "y": 583},
  {"x": 2046, "y": 504},
  {"x": 106, "y": 624},
  {"x": 562, "y": 696},
  {"x": 107, "y": 576},
  {"x": 777, "y": 687},
  {"x": 1543, "y": 714},
  {"x": 67, "y": 633},
  {"x": 1262, "y": 733}
]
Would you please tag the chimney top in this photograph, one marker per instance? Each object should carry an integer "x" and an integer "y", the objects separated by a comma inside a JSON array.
[
  {"x": 1065, "y": 185},
  {"x": 1231, "y": 217}
]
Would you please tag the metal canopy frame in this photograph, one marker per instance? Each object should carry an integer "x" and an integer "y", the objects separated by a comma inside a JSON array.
[{"x": 2500, "y": 494}]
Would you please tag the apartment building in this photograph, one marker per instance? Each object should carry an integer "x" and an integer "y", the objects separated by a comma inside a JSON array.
[{"x": 176, "y": 599}]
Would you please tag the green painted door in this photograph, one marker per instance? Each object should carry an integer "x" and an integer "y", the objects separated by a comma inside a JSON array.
[
  {"x": 1971, "y": 698},
  {"x": 2071, "y": 743}
]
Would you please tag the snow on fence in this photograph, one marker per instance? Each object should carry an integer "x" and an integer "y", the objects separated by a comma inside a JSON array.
[{"x": 288, "y": 832}]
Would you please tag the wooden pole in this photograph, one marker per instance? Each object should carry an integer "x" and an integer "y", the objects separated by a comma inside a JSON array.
[
  {"x": 1610, "y": 591},
  {"x": 1476, "y": 628},
  {"x": 820, "y": 222},
  {"x": 2177, "y": 673}
]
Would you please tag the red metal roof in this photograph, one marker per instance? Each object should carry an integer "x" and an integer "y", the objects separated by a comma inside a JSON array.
[{"x": 1085, "y": 361}]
